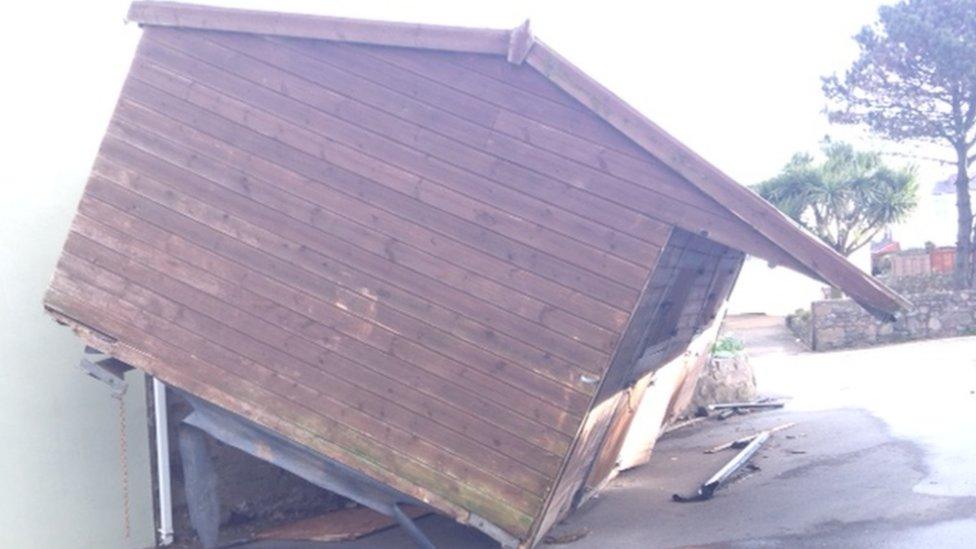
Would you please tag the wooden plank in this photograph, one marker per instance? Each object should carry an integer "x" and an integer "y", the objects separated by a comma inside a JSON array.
[
  {"x": 562, "y": 116},
  {"x": 450, "y": 113},
  {"x": 605, "y": 462},
  {"x": 146, "y": 159},
  {"x": 661, "y": 206},
  {"x": 327, "y": 393},
  {"x": 344, "y": 222},
  {"x": 338, "y": 525},
  {"x": 334, "y": 63},
  {"x": 574, "y": 472},
  {"x": 329, "y": 357},
  {"x": 568, "y": 350},
  {"x": 339, "y": 87},
  {"x": 351, "y": 292},
  {"x": 307, "y": 128},
  {"x": 178, "y": 14},
  {"x": 654, "y": 319},
  {"x": 330, "y": 437},
  {"x": 338, "y": 261},
  {"x": 509, "y": 407},
  {"x": 349, "y": 195},
  {"x": 307, "y": 158},
  {"x": 524, "y": 78}
]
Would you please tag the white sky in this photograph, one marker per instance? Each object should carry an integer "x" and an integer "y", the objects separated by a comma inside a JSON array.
[{"x": 739, "y": 82}]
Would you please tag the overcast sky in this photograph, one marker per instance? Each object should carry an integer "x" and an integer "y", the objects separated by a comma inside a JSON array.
[{"x": 739, "y": 82}]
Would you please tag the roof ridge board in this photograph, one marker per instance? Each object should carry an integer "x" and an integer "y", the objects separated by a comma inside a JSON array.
[{"x": 322, "y": 27}]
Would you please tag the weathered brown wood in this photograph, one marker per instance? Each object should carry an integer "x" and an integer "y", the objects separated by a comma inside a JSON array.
[
  {"x": 130, "y": 201},
  {"x": 301, "y": 249},
  {"x": 301, "y": 126},
  {"x": 72, "y": 299},
  {"x": 353, "y": 86},
  {"x": 338, "y": 525},
  {"x": 444, "y": 91},
  {"x": 284, "y": 227},
  {"x": 316, "y": 358},
  {"x": 293, "y": 379},
  {"x": 344, "y": 223},
  {"x": 605, "y": 460},
  {"x": 302, "y": 152},
  {"x": 147, "y": 243},
  {"x": 704, "y": 216},
  {"x": 348, "y": 194}
]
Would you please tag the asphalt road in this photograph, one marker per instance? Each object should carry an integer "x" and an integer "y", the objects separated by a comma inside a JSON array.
[{"x": 883, "y": 455}]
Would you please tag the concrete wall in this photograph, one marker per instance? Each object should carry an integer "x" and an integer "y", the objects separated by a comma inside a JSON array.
[{"x": 60, "y": 469}]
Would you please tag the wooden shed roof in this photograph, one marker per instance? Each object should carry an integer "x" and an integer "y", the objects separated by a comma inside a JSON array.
[{"x": 802, "y": 251}]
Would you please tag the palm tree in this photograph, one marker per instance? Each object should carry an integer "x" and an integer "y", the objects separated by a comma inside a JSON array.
[{"x": 847, "y": 199}]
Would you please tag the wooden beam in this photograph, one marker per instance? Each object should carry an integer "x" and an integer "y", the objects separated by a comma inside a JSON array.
[
  {"x": 407, "y": 35},
  {"x": 520, "y": 43}
]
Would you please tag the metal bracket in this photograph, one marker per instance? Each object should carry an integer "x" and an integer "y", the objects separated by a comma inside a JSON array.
[{"x": 109, "y": 370}]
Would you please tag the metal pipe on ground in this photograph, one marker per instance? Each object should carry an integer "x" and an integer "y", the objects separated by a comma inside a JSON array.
[{"x": 707, "y": 490}]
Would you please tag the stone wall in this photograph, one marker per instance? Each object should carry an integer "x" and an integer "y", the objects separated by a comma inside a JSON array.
[
  {"x": 801, "y": 324},
  {"x": 841, "y": 323},
  {"x": 906, "y": 285}
]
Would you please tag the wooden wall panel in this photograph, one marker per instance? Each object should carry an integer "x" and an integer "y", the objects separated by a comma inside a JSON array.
[
  {"x": 711, "y": 289},
  {"x": 413, "y": 262},
  {"x": 691, "y": 277}
]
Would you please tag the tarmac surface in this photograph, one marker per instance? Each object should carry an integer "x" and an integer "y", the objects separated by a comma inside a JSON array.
[{"x": 883, "y": 454}]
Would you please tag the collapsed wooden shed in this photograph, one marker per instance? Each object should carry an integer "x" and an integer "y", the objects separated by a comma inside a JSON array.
[{"x": 430, "y": 257}]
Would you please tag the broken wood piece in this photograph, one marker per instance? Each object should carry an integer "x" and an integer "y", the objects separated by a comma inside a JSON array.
[
  {"x": 746, "y": 405},
  {"x": 341, "y": 525},
  {"x": 568, "y": 537},
  {"x": 725, "y": 414},
  {"x": 707, "y": 490},
  {"x": 683, "y": 424},
  {"x": 742, "y": 442}
]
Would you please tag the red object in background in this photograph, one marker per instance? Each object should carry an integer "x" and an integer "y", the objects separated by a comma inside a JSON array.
[{"x": 942, "y": 259}]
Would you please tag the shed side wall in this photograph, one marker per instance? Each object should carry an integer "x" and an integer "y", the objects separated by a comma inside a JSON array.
[{"x": 691, "y": 278}]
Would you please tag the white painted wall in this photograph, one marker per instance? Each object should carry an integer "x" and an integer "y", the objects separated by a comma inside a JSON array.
[{"x": 60, "y": 469}]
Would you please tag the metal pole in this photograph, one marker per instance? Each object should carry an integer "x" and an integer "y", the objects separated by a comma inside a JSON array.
[
  {"x": 162, "y": 463},
  {"x": 411, "y": 527},
  {"x": 733, "y": 465},
  {"x": 708, "y": 489}
]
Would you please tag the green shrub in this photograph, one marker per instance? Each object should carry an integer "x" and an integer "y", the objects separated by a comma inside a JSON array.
[{"x": 728, "y": 345}]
